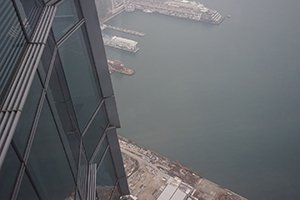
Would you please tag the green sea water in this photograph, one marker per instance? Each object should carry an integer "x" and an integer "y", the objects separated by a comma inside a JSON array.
[{"x": 224, "y": 100}]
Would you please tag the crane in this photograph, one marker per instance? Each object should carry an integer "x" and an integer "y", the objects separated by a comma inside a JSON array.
[{"x": 181, "y": 166}]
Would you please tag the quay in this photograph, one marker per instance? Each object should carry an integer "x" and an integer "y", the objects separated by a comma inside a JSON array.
[
  {"x": 123, "y": 30},
  {"x": 152, "y": 176},
  {"x": 182, "y": 9},
  {"x": 176, "y": 8}
]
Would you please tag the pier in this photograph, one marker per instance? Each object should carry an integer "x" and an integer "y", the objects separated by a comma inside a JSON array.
[
  {"x": 123, "y": 30},
  {"x": 176, "y": 8},
  {"x": 181, "y": 9}
]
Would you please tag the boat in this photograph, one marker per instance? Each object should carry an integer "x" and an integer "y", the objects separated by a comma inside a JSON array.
[{"x": 118, "y": 66}]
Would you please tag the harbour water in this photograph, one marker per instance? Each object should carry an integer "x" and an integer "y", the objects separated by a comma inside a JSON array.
[{"x": 224, "y": 99}]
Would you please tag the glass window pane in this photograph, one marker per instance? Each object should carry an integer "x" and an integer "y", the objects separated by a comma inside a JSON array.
[
  {"x": 66, "y": 17},
  {"x": 47, "y": 162},
  {"x": 79, "y": 71},
  {"x": 28, "y": 114},
  {"x": 45, "y": 61},
  {"x": 61, "y": 95},
  {"x": 95, "y": 132},
  {"x": 100, "y": 151},
  {"x": 8, "y": 174},
  {"x": 61, "y": 112},
  {"x": 106, "y": 177},
  {"x": 26, "y": 190},
  {"x": 82, "y": 175}
]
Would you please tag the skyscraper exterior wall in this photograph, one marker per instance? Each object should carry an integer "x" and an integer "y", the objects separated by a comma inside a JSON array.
[{"x": 58, "y": 115}]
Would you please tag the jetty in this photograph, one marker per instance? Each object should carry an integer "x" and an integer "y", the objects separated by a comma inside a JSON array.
[
  {"x": 104, "y": 26},
  {"x": 182, "y": 9}
]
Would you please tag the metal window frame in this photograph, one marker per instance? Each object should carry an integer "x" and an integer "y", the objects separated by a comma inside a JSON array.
[
  {"x": 15, "y": 100},
  {"x": 32, "y": 133},
  {"x": 16, "y": 97},
  {"x": 113, "y": 142}
]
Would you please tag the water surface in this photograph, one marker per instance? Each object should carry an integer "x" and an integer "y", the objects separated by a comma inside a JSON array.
[{"x": 223, "y": 100}]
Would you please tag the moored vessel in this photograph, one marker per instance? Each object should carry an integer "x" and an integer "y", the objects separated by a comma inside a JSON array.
[{"x": 118, "y": 66}]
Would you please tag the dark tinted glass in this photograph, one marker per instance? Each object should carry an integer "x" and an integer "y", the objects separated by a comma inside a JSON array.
[
  {"x": 46, "y": 59},
  {"x": 101, "y": 151},
  {"x": 8, "y": 174},
  {"x": 27, "y": 115},
  {"x": 106, "y": 177},
  {"x": 82, "y": 175},
  {"x": 95, "y": 131},
  {"x": 65, "y": 18},
  {"x": 71, "y": 153},
  {"x": 60, "y": 102},
  {"x": 26, "y": 190},
  {"x": 47, "y": 162},
  {"x": 80, "y": 75}
]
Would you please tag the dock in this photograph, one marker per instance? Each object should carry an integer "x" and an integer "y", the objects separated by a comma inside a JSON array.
[
  {"x": 181, "y": 9},
  {"x": 124, "y": 30}
]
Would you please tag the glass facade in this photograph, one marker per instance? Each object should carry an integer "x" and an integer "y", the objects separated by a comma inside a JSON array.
[{"x": 57, "y": 122}]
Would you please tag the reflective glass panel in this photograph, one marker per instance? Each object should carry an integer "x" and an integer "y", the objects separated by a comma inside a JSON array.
[
  {"x": 47, "y": 162},
  {"x": 82, "y": 175},
  {"x": 80, "y": 75},
  {"x": 45, "y": 61},
  {"x": 95, "y": 131},
  {"x": 27, "y": 115},
  {"x": 100, "y": 151},
  {"x": 60, "y": 92},
  {"x": 56, "y": 96},
  {"x": 106, "y": 177},
  {"x": 65, "y": 18},
  {"x": 26, "y": 190},
  {"x": 8, "y": 174}
]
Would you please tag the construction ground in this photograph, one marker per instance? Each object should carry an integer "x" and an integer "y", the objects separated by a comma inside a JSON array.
[{"x": 149, "y": 173}]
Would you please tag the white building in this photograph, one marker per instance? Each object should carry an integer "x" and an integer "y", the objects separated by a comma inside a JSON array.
[{"x": 172, "y": 193}]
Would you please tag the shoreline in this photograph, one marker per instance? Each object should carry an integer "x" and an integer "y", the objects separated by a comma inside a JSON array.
[
  {"x": 149, "y": 173},
  {"x": 200, "y": 174}
]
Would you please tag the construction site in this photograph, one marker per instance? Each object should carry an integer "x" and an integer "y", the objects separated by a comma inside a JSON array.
[{"x": 152, "y": 176}]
